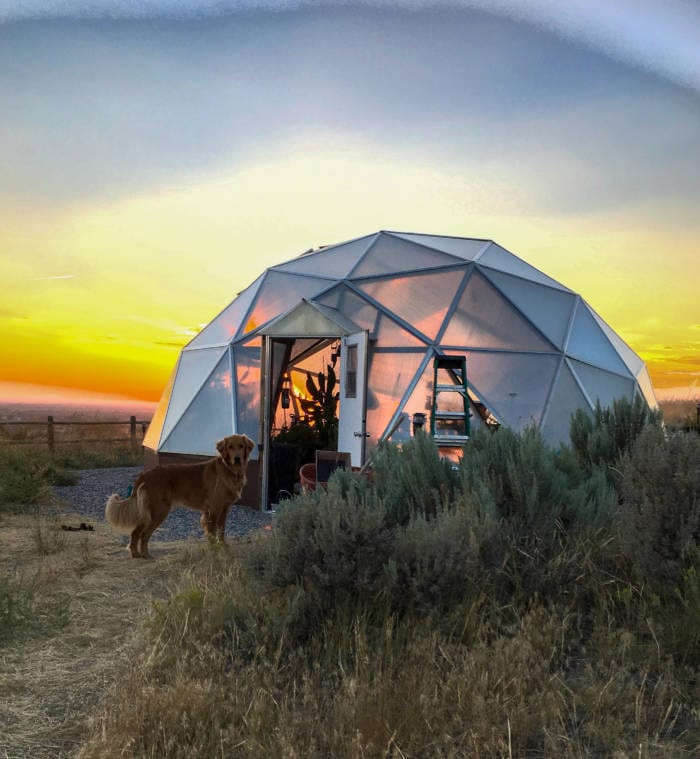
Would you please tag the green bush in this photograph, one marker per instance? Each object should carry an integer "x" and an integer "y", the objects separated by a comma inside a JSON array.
[
  {"x": 413, "y": 479},
  {"x": 602, "y": 439}
]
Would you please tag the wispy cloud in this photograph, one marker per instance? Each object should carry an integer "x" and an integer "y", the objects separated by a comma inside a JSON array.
[
  {"x": 54, "y": 276},
  {"x": 656, "y": 35}
]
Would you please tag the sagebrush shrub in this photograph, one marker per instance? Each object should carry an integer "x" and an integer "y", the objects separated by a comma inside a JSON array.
[
  {"x": 660, "y": 509},
  {"x": 518, "y": 477}
]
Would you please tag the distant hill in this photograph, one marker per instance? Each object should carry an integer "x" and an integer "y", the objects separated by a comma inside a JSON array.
[{"x": 89, "y": 412}]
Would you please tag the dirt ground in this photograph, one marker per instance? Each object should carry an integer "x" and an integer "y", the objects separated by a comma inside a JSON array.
[{"x": 81, "y": 600}]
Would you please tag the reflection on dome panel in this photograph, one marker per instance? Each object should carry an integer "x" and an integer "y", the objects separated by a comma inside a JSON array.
[
  {"x": 153, "y": 434},
  {"x": 225, "y": 326},
  {"x": 208, "y": 418},
  {"x": 195, "y": 366},
  {"x": 514, "y": 386},
  {"x": 589, "y": 343},
  {"x": 565, "y": 398},
  {"x": 278, "y": 293},
  {"x": 389, "y": 255},
  {"x": 459, "y": 247},
  {"x": 422, "y": 300},
  {"x": 247, "y": 397},
  {"x": 501, "y": 259},
  {"x": 389, "y": 376},
  {"x": 547, "y": 308},
  {"x": 485, "y": 319},
  {"x": 334, "y": 262},
  {"x": 604, "y": 387}
]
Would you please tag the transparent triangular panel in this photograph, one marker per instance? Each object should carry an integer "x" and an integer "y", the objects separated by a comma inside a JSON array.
[
  {"x": 485, "y": 319},
  {"x": 461, "y": 247},
  {"x": 279, "y": 292},
  {"x": 208, "y": 418},
  {"x": 389, "y": 255},
  {"x": 349, "y": 303},
  {"x": 500, "y": 259},
  {"x": 334, "y": 262},
  {"x": 389, "y": 333},
  {"x": 548, "y": 308},
  {"x": 194, "y": 367},
  {"x": 379, "y": 325},
  {"x": 646, "y": 388},
  {"x": 153, "y": 434},
  {"x": 226, "y": 325},
  {"x": 247, "y": 359},
  {"x": 422, "y": 300},
  {"x": 514, "y": 386},
  {"x": 589, "y": 343},
  {"x": 631, "y": 359},
  {"x": 566, "y": 397},
  {"x": 389, "y": 376},
  {"x": 602, "y": 386}
]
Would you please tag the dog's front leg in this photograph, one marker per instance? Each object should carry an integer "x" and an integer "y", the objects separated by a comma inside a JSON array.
[
  {"x": 221, "y": 524},
  {"x": 208, "y": 524}
]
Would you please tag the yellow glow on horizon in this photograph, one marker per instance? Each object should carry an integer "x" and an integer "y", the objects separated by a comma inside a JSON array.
[{"x": 102, "y": 297}]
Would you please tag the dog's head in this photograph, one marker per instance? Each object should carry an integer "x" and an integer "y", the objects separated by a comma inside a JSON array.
[{"x": 235, "y": 450}]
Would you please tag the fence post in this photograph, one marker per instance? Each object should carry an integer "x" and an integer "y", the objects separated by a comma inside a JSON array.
[
  {"x": 49, "y": 432},
  {"x": 132, "y": 432}
]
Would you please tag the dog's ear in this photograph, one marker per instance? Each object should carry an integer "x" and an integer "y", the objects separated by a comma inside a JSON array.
[
  {"x": 221, "y": 447},
  {"x": 249, "y": 445}
]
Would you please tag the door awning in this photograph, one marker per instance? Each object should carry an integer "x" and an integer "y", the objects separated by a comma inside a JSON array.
[{"x": 309, "y": 319}]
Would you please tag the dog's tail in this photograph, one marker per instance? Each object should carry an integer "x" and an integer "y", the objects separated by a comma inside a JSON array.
[{"x": 125, "y": 514}]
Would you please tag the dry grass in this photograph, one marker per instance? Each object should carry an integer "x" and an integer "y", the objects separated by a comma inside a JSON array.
[
  {"x": 83, "y": 605},
  {"x": 680, "y": 412}
]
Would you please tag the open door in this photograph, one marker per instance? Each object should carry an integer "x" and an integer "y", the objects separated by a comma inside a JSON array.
[{"x": 352, "y": 417}]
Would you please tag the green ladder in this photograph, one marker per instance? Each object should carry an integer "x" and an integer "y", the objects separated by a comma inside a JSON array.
[{"x": 450, "y": 426}]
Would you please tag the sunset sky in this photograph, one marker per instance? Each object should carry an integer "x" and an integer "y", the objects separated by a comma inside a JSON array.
[{"x": 156, "y": 156}]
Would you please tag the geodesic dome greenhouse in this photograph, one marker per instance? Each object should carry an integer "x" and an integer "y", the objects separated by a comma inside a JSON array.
[{"x": 535, "y": 351}]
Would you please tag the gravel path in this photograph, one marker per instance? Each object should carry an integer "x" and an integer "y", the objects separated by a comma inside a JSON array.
[{"x": 89, "y": 496}]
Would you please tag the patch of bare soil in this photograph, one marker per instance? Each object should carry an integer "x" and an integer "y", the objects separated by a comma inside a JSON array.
[{"x": 80, "y": 601}]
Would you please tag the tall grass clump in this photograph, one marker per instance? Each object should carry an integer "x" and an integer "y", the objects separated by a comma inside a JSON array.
[
  {"x": 602, "y": 439},
  {"x": 25, "y": 477}
]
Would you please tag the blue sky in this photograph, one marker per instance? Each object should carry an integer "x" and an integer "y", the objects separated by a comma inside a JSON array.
[{"x": 138, "y": 138}]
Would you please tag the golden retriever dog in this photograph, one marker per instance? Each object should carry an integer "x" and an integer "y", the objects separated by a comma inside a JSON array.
[{"x": 211, "y": 487}]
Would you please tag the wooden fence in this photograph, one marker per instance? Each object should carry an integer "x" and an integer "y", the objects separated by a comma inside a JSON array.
[{"x": 53, "y": 431}]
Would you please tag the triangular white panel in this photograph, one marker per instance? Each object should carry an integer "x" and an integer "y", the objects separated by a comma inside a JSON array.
[
  {"x": 589, "y": 343},
  {"x": 566, "y": 397},
  {"x": 153, "y": 434},
  {"x": 631, "y": 359},
  {"x": 224, "y": 327},
  {"x": 500, "y": 259},
  {"x": 334, "y": 262},
  {"x": 548, "y": 308},
  {"x": 461, "y": 247},
  {"x": 647, "y": 388},
  {"x": 602, "y": 386},
  {"x": 514, "y": 386},
  {"x": 208, "y": 418},
  {"x": 389, "y": 254},
  {"x": 194, "y": 367}
]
